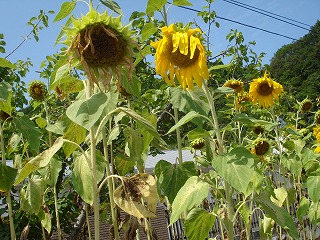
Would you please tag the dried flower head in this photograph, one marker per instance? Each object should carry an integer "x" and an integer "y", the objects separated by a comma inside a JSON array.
[
  {"x": 261, "y": 146},
  {"x": 103, "y": 46},
  {"x": 37, "y": 90},
  {"x": 258, "y": 129}
]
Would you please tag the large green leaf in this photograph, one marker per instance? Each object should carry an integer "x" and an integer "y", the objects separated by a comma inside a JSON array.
[
  {"x": 74, "y": 133},
  {"x": 51, "y": 172},
  {"x": 236, "y": 168},
  {"x": 185, "y": 119},
  {"x": 112, "y": 5},
  {"x": 187, "y": 101},
  {"x": 251, "y": 121},
  {"x": 303, "y": 209},
  {"x": 65, "y": 10},
  {"x": 5, "y": 89},
  {"x": 29, "y": 131},
  {"x": 279, "y": 214},
  {"x": 6, "y": 63},
  {"x": 32, "y": 196},
  {"x": 7, "y": 177},
  {"x": 82, "y": 174},
  {"x": 42, "y": 160},
  {"x": 148, "y": 30},
  {"x": 181, "y": 3},
  {"x": 45, "y": 219},
  {"x": 313, "y": 183},
  {"x": 171, "y": 177},
  {"x": 155, "y": 5},
  {"x": 124, "y": 164},
  {"x": 191, "y": 194},
  {"x": 198, "y": 224},
  {"x": 87, "y": 112}
]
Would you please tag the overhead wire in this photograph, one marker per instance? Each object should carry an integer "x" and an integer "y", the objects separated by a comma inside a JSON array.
[
  {"x": 265, "y": 14},
  {"x": 290, "y": 19},
  {"x": 240, "y": 23}
]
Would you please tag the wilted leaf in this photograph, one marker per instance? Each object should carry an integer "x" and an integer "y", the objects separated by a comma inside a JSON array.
[{"x": 133, "y": 190}]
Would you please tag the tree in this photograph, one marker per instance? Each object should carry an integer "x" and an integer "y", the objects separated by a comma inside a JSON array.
[{"x": 297, "y": 65}]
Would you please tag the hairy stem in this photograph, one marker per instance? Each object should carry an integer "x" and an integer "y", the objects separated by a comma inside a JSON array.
[
  {"x": 110, "y": 186},
  {"x": 8, "y": 196}
]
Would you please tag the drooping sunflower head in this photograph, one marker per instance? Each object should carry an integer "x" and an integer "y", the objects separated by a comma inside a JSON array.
[
  {"x": 198, "y": 143},
  {"x": 261, "y": 147},
  {"x": 317, "y": 117},
  {"x": 305, "y": 106},
  {"x": 37, "y": 90},
  {"x": 258, "y": 129},
  {"x": 181, "y": 54},
  {"x": 265, "y": 91},
  {"x": 103, "y": 46},
  {"x": 235, "y": 84}
]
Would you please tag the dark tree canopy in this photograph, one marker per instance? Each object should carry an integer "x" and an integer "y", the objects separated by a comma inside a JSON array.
[{"x": 297, "y": 65}]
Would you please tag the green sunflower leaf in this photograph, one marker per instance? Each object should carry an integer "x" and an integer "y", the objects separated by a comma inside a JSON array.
[
  {"x": 171, "y": 177},
  {"x": 235, "y": 167},
  {"x": 148, "y": 30},
  {"x": 7, "y": 177},
  {"x": 155, "y": 5},
  {"x": 181, "y": 3},
  {"x": 6, "y": 63},
  {"x": 192, "y": 193},
  {"x": 65, "y": 10},
  {"x": 112, "y": 5},
  {"x": 198, "y": 224}
]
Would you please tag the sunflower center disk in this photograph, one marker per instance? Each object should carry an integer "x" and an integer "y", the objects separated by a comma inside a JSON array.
[
  {"x": 264, "y": 89},
  {"x": 261, "y": 148},
  {"x": 102, "y": 45},
  {"x": 182, "y": 60}
]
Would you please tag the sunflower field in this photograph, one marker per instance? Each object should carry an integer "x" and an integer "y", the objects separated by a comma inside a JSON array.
[{"x": 75, "y": 145}]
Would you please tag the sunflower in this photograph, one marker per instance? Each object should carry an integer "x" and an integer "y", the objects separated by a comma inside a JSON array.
[
  {"x": 198, "y": 143},
  {"x": 265, "y": 91},
  {"x": 317, "y": 117},
  {"x": 181, "y": 53},
  {"x": 235, "y": 84},
  {"x": 305, "y": 106},
  {"x": 37, "y": 90},
  {"x": 242, "y": 100},
  {"x": 261, "y": 147},
  {"x": 103, "y": 46},
  {"x": 258, "y": 129},
  {"x": 316, "y": 133}
]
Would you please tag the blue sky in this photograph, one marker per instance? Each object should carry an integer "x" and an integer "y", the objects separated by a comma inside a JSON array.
[{"x": 16, "y": 14}]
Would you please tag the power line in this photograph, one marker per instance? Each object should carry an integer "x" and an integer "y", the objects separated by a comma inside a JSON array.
[
  {"x": 272, "y": 13},
  {"x": 265, "y": 14},
  {"x": 243, "y": 24}
]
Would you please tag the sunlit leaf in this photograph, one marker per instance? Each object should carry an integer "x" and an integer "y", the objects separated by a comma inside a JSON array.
[
  {"x": 76, "y": 134},
  {"x": 313, "y": 183},
  {"x": 124, "y": 164},
  {"x": 281, "y": 195},
  {"x": 6, "y": 63},
  {"x": 191, "y": 194},
  {"x": 148, "y": 30},
  {"x": 185, "y": 119},
  {"x": 42, "y": 160},
  {"x": 45, "y": 219},
  {"x": 65, "y": 10},
  {"x": 279, "y": 214},
  {"x": 32, "y": 196},
  {"x": 303, "y": 208},
  {"x": 154, "y": 5},
  {"x": 181, "y": 3},
  {"x": 198, "y": 224},
  {"x": 112, "y": 5},
  {"x": 236, "y": 167},
  {"x": 5, "y": 89}
]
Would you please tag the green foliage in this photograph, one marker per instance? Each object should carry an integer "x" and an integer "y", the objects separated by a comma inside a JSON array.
[{"x": 296, "y": 66}]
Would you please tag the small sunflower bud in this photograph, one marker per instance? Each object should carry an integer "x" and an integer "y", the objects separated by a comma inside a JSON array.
[{"x": 198, "y": 143}]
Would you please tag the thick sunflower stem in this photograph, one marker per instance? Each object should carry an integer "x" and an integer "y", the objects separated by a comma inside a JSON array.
[
  {"x": 228, "y": 188},
  {"x": 55, "y": 195},
  {"x": 176, "y": 119},
  {"x": 8, "y": 196},
  {"x": 94, "y": 172},
  {"x": 110, "y": 187}
]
